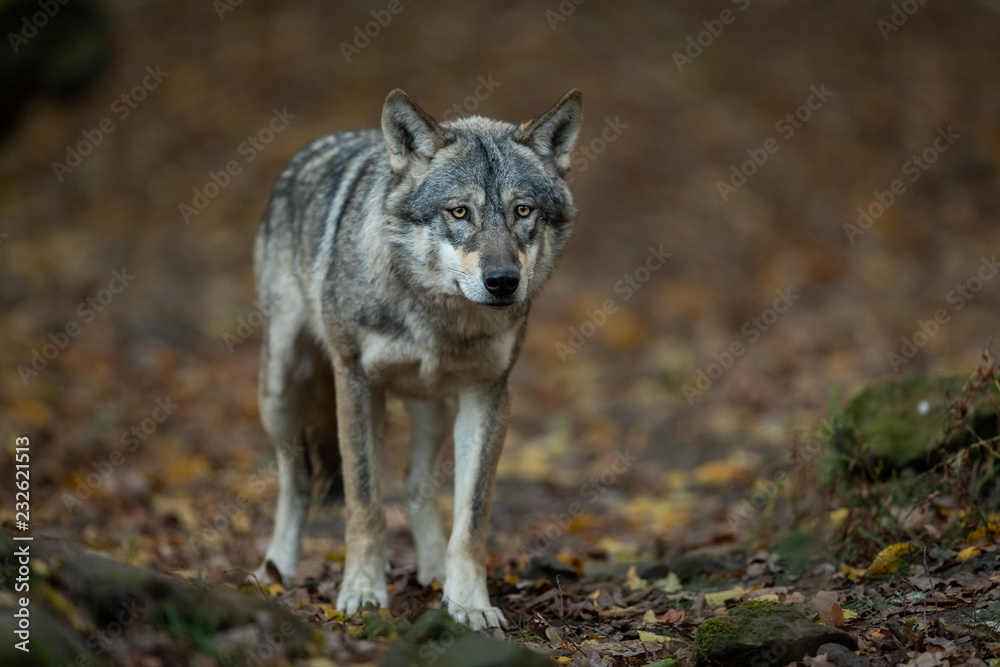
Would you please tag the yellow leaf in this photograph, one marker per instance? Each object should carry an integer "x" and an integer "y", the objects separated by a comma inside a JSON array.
[
  {"x": 183, "y": 469},
  {"x": 320, "y": 662},
  {"x": 850, "y": 614},
  {"x": 989, "y": 531},
  {"x": 649, "y": 618},
  {"x": 966, "y": 554},
  {"x": 32, "y": 413},
  {"x": 646, "y": 636},
  {"x": 678, "y": 479},
  {"x": 334, "y": 556},
  {"x": 887, "y": 560},
  {"x": 241, "y": 524},
  {"x": 720, "y": 598},
  {"x": 58, "y": 602},
  {"x": 329, "y": 611},
  {"x": 564, "y": 660},
  {"x": 854, "y": 573},
  {"x": 512, "y": 578},
  {"x": 633, "y": 582},
  {"x": 670, "y": 584},
  {"x": 274, "y": 589},
  {"x": 720, "y": 473},
  {"x": 837, "y": 517}
]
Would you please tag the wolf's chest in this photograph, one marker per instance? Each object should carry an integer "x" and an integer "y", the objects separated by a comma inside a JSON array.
[{"x": 423, "y": 369}]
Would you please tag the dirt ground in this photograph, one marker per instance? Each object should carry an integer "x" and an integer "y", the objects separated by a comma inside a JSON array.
[{"x": 823, "y": 175}]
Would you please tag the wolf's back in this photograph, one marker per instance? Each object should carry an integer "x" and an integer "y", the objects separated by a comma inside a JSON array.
[{"x": 322, "y": 192}]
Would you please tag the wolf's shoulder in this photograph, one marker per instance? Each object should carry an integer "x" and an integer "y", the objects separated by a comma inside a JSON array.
[{"x": 335, "y": 148}]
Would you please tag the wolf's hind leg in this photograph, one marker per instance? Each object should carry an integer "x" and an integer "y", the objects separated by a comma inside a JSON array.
[
  {"x": 289, "y": 362},
  {"x": 432, "y": 422}
]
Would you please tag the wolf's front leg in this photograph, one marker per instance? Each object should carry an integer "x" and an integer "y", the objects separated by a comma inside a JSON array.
[
  {"x": 360, "y": 412},
  {"x": 479, "y": 435}
]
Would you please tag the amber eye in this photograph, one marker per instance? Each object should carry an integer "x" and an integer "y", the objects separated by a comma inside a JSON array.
[
  {"x": 460, "y": 212},
  {"x": 523, "y": 211}
]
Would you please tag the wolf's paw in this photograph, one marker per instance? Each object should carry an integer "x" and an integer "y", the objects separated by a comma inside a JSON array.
[
  {"x": 478, "y": 619},
  {"x": 268, "y": 573},
  {"x": 350, "y": 602},
  {"x": 427, "y": 574}
]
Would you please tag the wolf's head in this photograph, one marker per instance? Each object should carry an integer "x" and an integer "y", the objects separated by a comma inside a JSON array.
[{"x": 479, "y": 208}]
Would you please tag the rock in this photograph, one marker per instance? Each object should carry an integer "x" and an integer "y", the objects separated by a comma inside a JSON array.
[
  {"x": 435, "y": 639},
  {"x": 107, "y": 593},
  {"x": 52, "y": 642},
  {"x": 692, "y": 566},
  {"x": 903, "y": 422},
  {"x": 551, "y": 568},
  {"x": 599, "y": 571},
  {"x": 763, "y": 634},
  {"x": 841, "y": 656}
]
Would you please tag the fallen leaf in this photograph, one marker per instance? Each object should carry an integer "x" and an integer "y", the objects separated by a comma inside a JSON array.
[
  {"x": 187, "y": 468},
  {"x": 887, "y": 560},
  {"x": 970, "y": 552},
  {"x": 59, "y": 602},
  {"x": 30, "y": 412},
  {"x": 672, "y": 617},
  {"x": 834, "y": 617},
  {"x": 719, "y": 473},
  {"x": 634, "y": 582},
  {"x": 990, "y": 531},
  {"x": 669, "y": 584},
  {"x": 720, "y": 598},
  {"x": 646, "y": 636},
  {"x": 823, "y": 600}
]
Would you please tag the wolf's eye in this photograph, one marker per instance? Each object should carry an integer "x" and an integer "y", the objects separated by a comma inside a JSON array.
[
  {"x": 523, "y": 210},
  {"x": 460, "y": 212}
]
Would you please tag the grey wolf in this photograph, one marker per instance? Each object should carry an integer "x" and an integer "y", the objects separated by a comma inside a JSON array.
[{"x": 404, "y": 262}]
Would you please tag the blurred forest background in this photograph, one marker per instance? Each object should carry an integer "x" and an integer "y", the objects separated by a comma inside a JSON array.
[{"x": 678, "y": 97}]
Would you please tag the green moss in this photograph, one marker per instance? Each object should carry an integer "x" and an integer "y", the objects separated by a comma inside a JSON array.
[
  {"x": 762, "y": 633},
  {"x": 733, "y": 626},
  {"x": 905, "y": 421}
]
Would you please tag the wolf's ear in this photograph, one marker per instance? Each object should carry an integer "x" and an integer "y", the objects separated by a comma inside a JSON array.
[
  {"x": 409, "y": 132},
  {"x": 553, "y": 134}
]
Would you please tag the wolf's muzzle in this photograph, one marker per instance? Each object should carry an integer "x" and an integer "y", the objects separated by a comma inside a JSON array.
[{"x": 502, "y": 283}]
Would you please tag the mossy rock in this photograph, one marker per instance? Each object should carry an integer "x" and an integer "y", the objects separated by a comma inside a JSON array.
[
  {"x": 101, "y": 593},
  {"x": 52, "y": 642},
  {"x": 435, "y": 639},
  {"x": 763, "y": 634},
  {"x": 904, "y": 422}
]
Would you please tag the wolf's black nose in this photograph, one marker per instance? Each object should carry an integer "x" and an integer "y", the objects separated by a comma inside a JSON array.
[{"x": 502, "y": 283}]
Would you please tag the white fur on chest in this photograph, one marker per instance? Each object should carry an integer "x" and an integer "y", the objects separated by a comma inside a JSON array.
[{"x": 421, "y": 370}]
